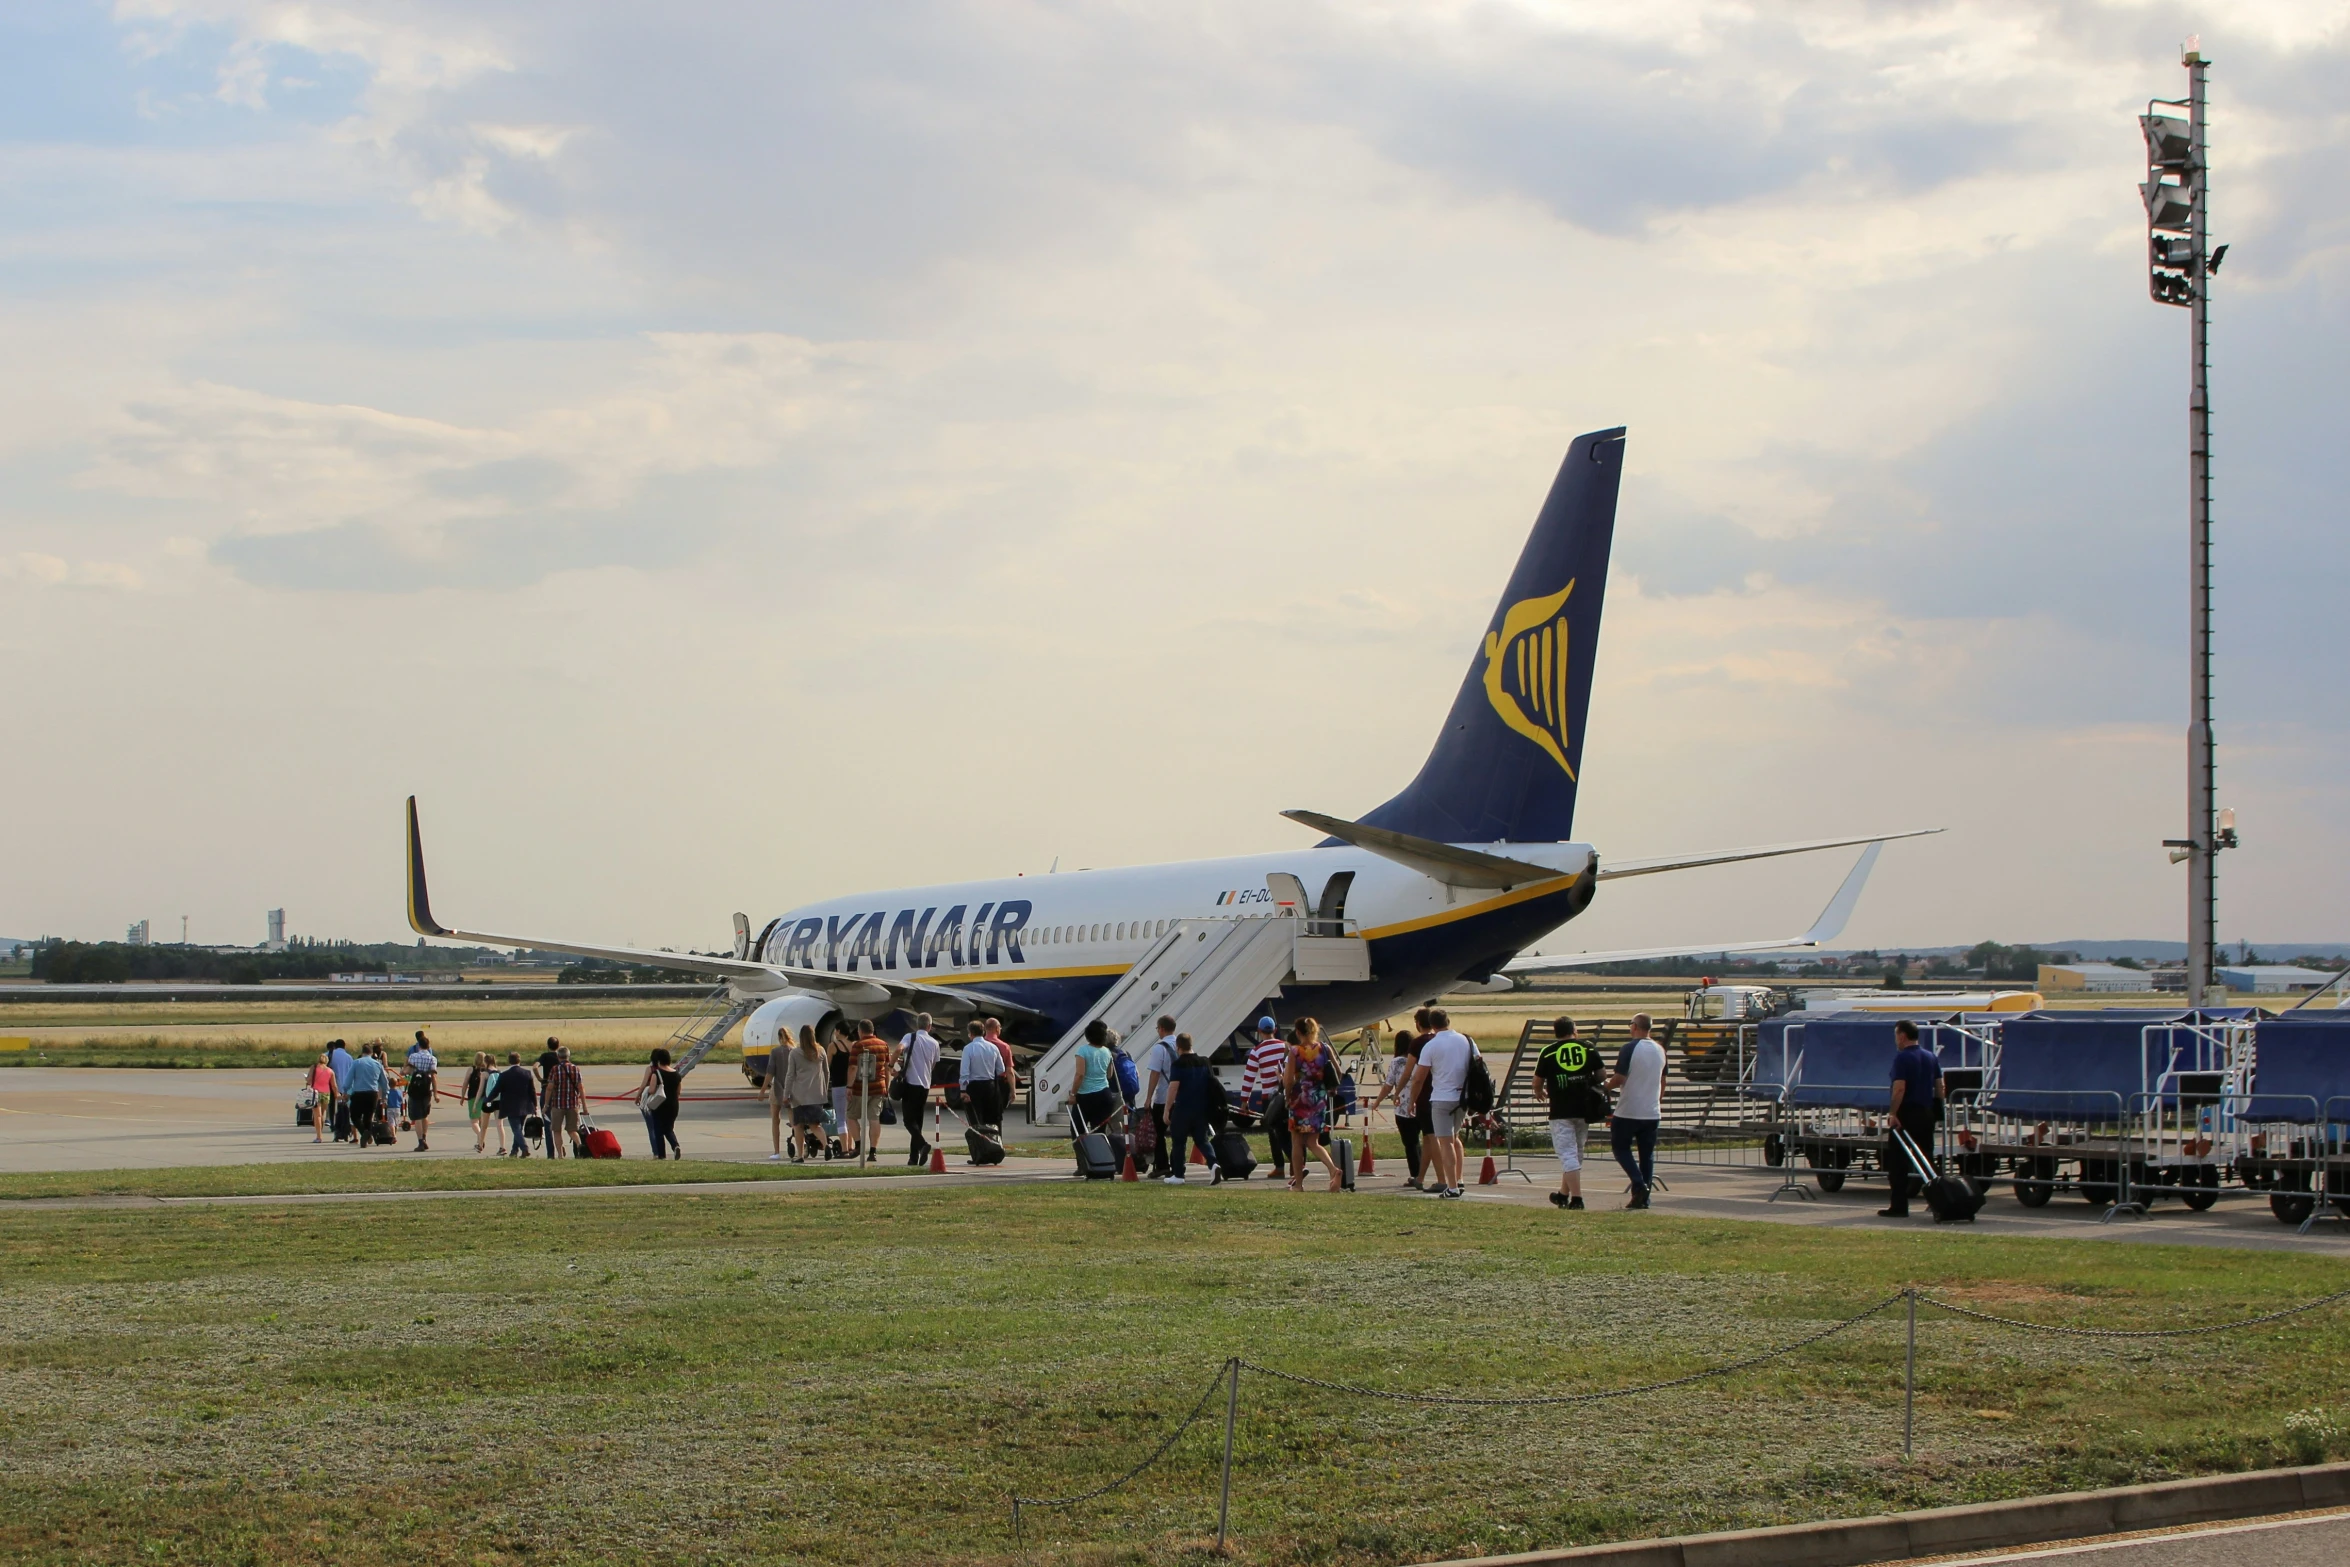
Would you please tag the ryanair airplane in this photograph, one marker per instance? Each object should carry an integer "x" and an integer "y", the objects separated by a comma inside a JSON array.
[{"x": 1445, "y": 884}]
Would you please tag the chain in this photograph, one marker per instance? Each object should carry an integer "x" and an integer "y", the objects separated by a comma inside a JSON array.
[
  {"x": 1581, "y": 1398},
  {"x": 1157, "y": 1453},
  {"x": 2051, "y": 1327}
]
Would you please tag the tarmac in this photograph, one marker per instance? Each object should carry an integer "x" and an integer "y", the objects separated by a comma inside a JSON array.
[{"x": 99, "y": 1118}]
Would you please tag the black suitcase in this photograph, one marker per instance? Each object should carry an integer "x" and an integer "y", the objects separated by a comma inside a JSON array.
[
  {"x": 986, "y": 1146},
  {"x": 1344, "y": 1153},
  {"x": 1096, "y": 1159},
  {"x": 1948, "y": 1198},
  {"x": 1234, "y": 1157}
]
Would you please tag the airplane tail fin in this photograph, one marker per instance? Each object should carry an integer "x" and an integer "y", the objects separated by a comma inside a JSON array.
[{"x": 1505, "y": 765}]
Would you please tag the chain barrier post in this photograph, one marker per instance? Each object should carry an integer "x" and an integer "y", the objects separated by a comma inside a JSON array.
[
  {"x": 1231, "y": 1419},
  {"x": 1909, "y": 1378}
]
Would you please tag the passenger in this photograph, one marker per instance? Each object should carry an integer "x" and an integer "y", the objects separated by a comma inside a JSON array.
[
  {"x": 424, "y": 1076},
  {"x": 1640, "y": 1074},
  {"x": 1917, "y": 1103},
  {"x": 321, "y": 1082},
  {"x": 478, "y": 1109},
  {"x": 1442, "y": 1074},
  {"x": 1260, "y": 1092},
  {"x": 1306, "y": 1078},
  {"x": 836, "y": 1076},
  {"x": 802, "y": 1084},
  {"x": 339, "y": 1057},
  {"x": 366, "y": 1083},
  {"x": 983, "y": 1071},
  {"x": 868, "y": 1087},
  {"x": 1190, "y": 1103},
  {"x": 1009, "y": 1082},
  {"x": 564, "y": 1097},
  {"x": 771, "y": 1090},
  {"x": 517, "y": 1100},
  {"x": 1158, "y": 1070},
  {"x": 661, "y": 1119},
  {"x": 1398, "y": 1090},
  {"x": 1093, "y": 1086},
  {"x": 1570, "y": 1074},
  {"x": 917, "y": 1061}
]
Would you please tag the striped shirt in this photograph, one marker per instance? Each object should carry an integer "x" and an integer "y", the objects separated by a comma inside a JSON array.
[
  {"x": 1262, "y": 1075},
  {"x": 564, "y": 1091}
]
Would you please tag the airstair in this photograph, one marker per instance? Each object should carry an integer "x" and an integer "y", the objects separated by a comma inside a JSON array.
[
  {"x": 707, "y": 1029},
  {"x": 1211, "y": 976}
]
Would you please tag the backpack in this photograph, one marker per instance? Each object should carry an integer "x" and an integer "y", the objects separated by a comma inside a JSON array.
[
  {"x": 1129, "y": 1080},
  {"x": 1477, "y": 1087}
]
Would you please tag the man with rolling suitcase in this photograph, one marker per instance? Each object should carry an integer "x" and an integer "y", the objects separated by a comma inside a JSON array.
[{"x": 1917, "y": 1102}]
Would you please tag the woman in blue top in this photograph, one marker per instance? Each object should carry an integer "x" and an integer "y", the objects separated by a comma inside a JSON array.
[{"x": 1095, "y": 1088}]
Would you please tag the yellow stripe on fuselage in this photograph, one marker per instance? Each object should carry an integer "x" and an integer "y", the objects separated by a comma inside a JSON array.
[{"x": 1516, "y": 895}]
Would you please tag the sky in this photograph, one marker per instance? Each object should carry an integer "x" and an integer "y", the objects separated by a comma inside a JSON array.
[{"x": 720, "y": 455}]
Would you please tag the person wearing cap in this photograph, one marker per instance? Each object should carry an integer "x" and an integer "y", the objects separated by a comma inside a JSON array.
[{"x": 1260, "y": 1089}]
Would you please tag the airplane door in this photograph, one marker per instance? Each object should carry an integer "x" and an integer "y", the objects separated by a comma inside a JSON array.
[
  {"x": 1330, "y": 913},
  {"x": 1289, "y": 894}
]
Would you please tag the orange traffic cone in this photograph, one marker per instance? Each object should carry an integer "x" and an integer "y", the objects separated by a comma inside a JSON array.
[
  {"x": 938, "y": 1158},
  {"x": 1488, "y": 1176},
  {"x": 1364, "y": 1165},
  {"x": 1126, "y": 1171},
  {"x": 1199, "y": 1155}
]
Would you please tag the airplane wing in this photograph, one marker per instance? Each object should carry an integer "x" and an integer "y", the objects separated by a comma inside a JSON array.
[
  {"x": 1445, "y": 862},
  {"x": 1609, "y": 870},
  {"x": 1825, "y": 929},
  {"x": 745, "y": 974}
]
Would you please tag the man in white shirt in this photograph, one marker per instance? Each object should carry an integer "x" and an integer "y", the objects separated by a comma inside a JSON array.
[
  {"x": 1442, "y": 1074},
  {"x": 983, "y": 1071},
  {"x": 1640, "y": 1079},
  {"x": 1158, "y": 1070},
  {"x": 917, "y": 1058}
]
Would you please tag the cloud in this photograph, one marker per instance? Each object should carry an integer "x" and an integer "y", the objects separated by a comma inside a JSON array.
[{"x": 53, "y": 571}]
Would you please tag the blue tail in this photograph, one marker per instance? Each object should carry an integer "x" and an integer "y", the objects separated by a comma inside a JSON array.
[{"x": 1512, "y": 747}]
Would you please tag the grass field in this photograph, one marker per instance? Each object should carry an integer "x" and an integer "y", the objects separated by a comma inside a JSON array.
[
  {"x": 829, "y": 1376},
  {"x": 369, "y": 1172}
]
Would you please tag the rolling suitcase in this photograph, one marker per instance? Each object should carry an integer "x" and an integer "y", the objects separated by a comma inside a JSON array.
[
  {"x": 1096, "y": 1159},
  {"x": 1234, "y": 1157},
  {"x": 600, "y": 1143},
  {"x": 1344, "y": 1152},
  {"x": 1948, "y": 1198}
]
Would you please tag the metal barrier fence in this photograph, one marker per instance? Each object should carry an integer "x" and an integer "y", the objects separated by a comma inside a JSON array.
[{"x": 1228, "y": 1376}]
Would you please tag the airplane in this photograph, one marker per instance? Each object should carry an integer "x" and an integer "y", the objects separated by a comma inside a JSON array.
[{"x": 1447, "y": 883}]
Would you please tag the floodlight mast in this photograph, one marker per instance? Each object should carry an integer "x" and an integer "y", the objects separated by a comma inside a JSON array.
[{"x": 2177, "y": 192}]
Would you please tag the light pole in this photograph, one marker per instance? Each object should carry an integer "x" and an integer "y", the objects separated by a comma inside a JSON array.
[{"x": 2180, "y": 266}]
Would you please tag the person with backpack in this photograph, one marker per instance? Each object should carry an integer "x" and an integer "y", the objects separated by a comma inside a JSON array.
[
  {"x": 1193, "y": 1097},
  {"x": 424, "y": 1076},
  {"x": 1640, "y": 1075},
  {"x": 1309, "y": 1078},
  {"x": 1570, "y": 1074},
  {"x": 1443, "y": 1078},
  {"x": 1158, "y": 1070},
  {"x": 517, "y": 1101}
]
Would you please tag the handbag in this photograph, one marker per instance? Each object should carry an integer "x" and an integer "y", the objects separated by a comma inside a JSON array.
[
  {"x": 653, "y": 1098},
  {"x": 307, "y": 1099}
]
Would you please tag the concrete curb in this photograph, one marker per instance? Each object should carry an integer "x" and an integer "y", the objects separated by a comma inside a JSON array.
[{"x": 1980, "y": 1526}]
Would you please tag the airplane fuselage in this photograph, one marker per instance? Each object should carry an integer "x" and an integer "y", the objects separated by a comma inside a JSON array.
[{"x": 1053, "y": 944}]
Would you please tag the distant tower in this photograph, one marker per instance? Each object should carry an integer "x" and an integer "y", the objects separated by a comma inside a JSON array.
[
  {"x": 277, "y": 930},
  {"x": 137, "y": 935}
]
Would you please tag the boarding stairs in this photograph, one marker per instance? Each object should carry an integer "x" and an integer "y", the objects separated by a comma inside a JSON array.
[
  {"x": 707, "y": 1029},
  {"x": 1211, "y": 976}
]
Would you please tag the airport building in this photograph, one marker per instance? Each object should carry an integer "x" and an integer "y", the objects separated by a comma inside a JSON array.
[
  {"x": 2272, "y": 978},
  {"x": 2091, "y": 976}
]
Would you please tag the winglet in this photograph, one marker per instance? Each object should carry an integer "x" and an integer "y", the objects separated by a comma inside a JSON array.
[
  {"x": 420, "y": 918},
  {"x": 1830, "y": 924}
]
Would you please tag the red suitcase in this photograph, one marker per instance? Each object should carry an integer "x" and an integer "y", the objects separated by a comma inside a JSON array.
[{"x": 602, "y": 1144}]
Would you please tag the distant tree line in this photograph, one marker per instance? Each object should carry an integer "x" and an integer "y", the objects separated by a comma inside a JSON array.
[{"x": 113, "y": 962}]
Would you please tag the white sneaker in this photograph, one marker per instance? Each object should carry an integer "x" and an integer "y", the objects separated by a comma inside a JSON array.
[
  {"x": 1172, "y": 1180},
  {"x": 775, "y": 1158},
  {"x": 1216, "y": 1177}
]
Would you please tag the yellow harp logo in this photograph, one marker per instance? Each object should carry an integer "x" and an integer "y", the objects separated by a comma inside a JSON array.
[{"x": 1526, "y": 672}]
